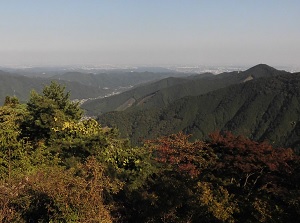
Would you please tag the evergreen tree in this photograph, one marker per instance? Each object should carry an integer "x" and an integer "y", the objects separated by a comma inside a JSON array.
[{"x": 48, "y": 110}]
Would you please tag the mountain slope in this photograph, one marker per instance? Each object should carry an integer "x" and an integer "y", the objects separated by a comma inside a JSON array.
[
  {"x": 261, "y": 109},
  {"x": 128, "y": 98},
  {"x": 20, "y": 86},
  {"x": 160, "y": 94}
]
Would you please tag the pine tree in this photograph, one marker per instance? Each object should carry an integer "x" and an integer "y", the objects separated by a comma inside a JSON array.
[{"x": 49, "y": 110}]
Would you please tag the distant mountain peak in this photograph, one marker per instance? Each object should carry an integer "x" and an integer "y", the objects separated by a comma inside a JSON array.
[
  {"x": 261, "y": 67},
  {"x": 262, "y": 70}
]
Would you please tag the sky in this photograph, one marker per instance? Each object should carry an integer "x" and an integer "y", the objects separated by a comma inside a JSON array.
[{"x": 152, "y": 33}]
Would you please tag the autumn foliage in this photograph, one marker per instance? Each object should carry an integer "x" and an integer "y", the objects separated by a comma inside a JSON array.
[
  {"x": 232, "y": 177},
  {"x": 187, "y": 157}
]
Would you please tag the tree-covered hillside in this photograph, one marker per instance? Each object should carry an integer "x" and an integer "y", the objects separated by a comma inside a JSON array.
[
  {"x": 129, "y": 98},
  {"x": 261, "y": 109},
  {"x": 164, "y": 92}
]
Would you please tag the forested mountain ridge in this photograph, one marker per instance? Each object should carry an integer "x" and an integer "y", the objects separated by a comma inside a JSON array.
[
  {"x": 81, "y": 85},
  {"x": 20, "y": 86},
  {"x": 262, "y": 109},
  {"x": 158, "y": 95},
  {"x": 114, "y": 80}
]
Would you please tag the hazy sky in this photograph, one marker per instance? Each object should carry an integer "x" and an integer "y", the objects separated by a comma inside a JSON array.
[{"x": 152, "y": 32}]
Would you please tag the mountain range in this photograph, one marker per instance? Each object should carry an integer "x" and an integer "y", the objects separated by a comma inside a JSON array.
[
  {"x": 261, "y": 103},
  {"x": 166, "y": 91},
  {"x": 20, "y": 86},
  {"x": 81, "y": 85}
]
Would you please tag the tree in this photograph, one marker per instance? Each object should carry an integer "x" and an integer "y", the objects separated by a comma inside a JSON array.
[
  {"x": 56, "y": 92},
  {"x": 260, "y": 176},
  {"x": 251, "y": 165},
  {"x": 179, "y": 154},
  {"x": 49, "y": 110},
  {"x": 179, "y": 191},
  {"x": 57, "y": 194},
  {"x": 11, "y": 101},
  {"x": 13, "y": 149},
  {"x": 55, "y": 167}
]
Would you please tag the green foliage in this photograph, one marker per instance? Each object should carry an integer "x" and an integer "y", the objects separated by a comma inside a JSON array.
[
  {"x": 49, "y": 110},
  {"x": 45, "y": 138},
  {"x": 217, "y": 202},
  {"x": 75, "y": 141},
  {"x": 56, "y": 93},
  {"x": 13, "y": 151},
  {"x": 35, "y": 187},
  {"x": 11, "y": 101}
]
